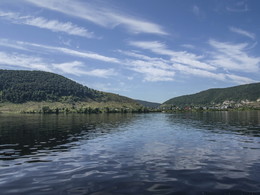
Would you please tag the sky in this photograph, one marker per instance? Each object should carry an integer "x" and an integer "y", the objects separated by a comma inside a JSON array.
[{"x": 143, "y": 49}]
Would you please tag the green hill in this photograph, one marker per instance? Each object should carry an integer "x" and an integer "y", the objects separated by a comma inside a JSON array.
[
  {"x": 250, "y": 92},
  {"x": 21, "y": 87},
  {"x": 148, "y": 104}
]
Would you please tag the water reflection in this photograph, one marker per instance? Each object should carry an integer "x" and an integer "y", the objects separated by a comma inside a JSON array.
[
  {"x": 240, "y": 122},
  {"x": 28, "y": 134},
  {"x": 218, "y": 141},
  {"x": 130, "y": 154}
]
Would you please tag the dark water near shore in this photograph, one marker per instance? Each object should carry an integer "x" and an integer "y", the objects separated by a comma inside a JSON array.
[{"x": 192, "y": 153}]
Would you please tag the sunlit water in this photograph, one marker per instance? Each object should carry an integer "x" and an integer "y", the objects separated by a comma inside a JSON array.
[{"x": 192, "y": 153}]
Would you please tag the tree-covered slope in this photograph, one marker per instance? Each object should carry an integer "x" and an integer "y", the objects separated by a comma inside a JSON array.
[
  {"x": 249, "y": 92},
  {"x": 18, "y": 86},
  {"x": 22, "y": 86},
  {"x": 148, "y": 104}
]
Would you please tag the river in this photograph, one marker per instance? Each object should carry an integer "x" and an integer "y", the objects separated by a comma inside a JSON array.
[{"x": 157, "y": 153}]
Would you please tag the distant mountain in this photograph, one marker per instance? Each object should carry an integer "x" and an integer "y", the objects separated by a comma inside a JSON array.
[
  {"x": 148, "y": 104},
  {"x": 19, "y": 86},
  {"x": 250, "y": 92}
]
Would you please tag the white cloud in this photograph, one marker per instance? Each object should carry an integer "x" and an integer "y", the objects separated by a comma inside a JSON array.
[
  {"x": 137, "y": 55},
  {"x": 100, "y": 15},
  {"x": 189, "y": 46},
  {"x": 199, "y": 72},
  {"x": 53, "y": 25},
  {"x": 191, "y": 60},
  {"x": 75, "y": 68},
  {"x": 233, "y": 57},
  {"x": 109, "y": 87},
  {"x": 218, "y": 76},
  {"x": 69, "y": 67},
  {"x": 81, "y": 54},
  {"x": 35, "y": 63},
  {"x": 154, "y": 46},
  {"x": 23, "y": 61},
  {"x": 102, "y": 72},
  {"x": 224, "y": 57},
  {"x": 136, "y": 25},
  {"x": 155, "y": 63},
  {"x": 182, "y": 57},
  {"x": 240, "y": 79},
  {"x": 12, "y": 44},
  {"x": 71, "y": 52},
  {"x": 154, "y": 74},
  {"x": 242, "y": 32},
  {"x": 153, "y": 69}
]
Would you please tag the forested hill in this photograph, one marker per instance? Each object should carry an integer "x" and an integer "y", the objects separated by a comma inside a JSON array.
[
  {"x": 18, "y": 86},
  {"x": 148, "y": 104},
  {"x": 249, "y": 92}
]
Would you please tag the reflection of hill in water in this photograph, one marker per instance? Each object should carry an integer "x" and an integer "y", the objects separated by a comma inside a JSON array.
[
  {"x": 27, "y": 134},
  {"x": 240, "y": 122}
]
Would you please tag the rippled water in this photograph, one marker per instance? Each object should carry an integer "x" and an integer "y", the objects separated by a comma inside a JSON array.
[{"x": 160, "y": 153}]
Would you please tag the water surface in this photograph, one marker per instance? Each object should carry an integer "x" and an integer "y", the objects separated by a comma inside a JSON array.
[{"x": 160, "y": 153}]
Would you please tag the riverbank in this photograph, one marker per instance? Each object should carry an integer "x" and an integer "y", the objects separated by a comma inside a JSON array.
[
  {"x": 75, "y": 107},
  {"x": 103, "y": 107}
]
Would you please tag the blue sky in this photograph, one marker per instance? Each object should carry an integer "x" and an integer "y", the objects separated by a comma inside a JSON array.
[{"x": 144, "y": 49}]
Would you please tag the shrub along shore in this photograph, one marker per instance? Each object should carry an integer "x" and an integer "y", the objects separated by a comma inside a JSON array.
[
  {"x": 101, "y": 107},
  {"x": 77, "y": 107}
]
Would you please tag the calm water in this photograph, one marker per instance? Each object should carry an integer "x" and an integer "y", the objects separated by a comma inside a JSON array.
[{"x": 160, "y": 153}]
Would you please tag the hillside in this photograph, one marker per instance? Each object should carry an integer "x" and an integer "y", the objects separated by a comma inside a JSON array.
[
  {"x": 21, "y": 87},
  {"x": 250, "y": 92},
  {"x": 148, "y": 104}
]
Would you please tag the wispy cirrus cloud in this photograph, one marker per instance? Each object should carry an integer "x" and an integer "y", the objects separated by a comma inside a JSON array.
[
  {"x": 76, "y": 68},
  {"x": 153, "y": 69},
  {"x": 51, "y": 49},
  {"x": 109, "y": 87},
  {"x": 137, "y": 26},
  {"x": 35, "y": 63},
  {"x": 242, "y": 32},
  {"x": 233, "y": 57},
  {"x": 12, "y": 44},
  {"x": 214, "y": 75},
  {"x": 198, "y": 72},
  {"x": 153, "y": 74},
  {"x": 240, "y": 79},
  {"x": 101, "y": 15},
  {"x": 23, "y": 61},
  {"x": 84, "y": 54},
  {"x": 154, "y": 60},
  {"x": 224, "y": 57},
  {"x": 238, "y": 6},
  {"x": 53, "y": 25},
  {"x": 189, "y": 46},
  {"x": 182, "y": 57}
]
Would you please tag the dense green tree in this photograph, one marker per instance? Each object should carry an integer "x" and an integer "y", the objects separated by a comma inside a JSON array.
[
  {"x": 22, "y": 86},
  {"x": 249, "y": 92},
  {"x": 19, "y": 86}
]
